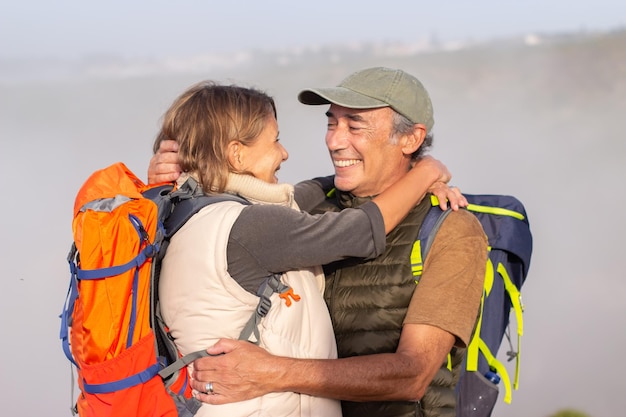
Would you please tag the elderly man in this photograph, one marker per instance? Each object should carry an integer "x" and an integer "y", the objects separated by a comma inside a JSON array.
[{"x": 400, "y": 343}]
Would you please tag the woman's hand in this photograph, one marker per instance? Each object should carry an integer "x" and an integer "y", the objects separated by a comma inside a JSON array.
[{"x": 448, "y": 195}]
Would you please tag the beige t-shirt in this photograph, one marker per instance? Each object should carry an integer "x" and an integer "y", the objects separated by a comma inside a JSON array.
[{"x": 449, "y": 291}]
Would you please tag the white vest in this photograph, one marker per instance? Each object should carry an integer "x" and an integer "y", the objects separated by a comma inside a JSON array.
[{"x": 201, "y": 303}]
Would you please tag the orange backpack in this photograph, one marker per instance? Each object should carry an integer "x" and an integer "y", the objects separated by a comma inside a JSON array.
[{"x": 110, "y": 326}]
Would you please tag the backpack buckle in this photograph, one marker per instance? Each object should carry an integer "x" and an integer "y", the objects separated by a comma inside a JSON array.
[{"x": 289, "y": 293}]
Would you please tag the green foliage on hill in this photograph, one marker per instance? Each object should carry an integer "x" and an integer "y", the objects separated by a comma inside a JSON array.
[{"x": 570, "y": 413}]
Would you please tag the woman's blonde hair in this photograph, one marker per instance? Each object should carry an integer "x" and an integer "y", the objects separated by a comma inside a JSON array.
[{"x": 205, "y": 119}]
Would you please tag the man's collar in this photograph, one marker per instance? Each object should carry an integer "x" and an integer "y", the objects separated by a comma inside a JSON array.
[{"x": 347, "y": 200}]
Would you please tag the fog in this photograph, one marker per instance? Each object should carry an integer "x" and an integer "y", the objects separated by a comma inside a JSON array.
[{"x": 542, "y": 123}]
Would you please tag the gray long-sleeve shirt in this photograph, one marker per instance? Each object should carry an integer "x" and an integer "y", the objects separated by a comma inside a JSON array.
[{"x": 269, "y": 239}]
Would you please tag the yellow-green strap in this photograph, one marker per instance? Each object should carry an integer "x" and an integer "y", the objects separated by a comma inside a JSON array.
[
  {"x": 495, "y": 210},
  {"x": 518, "y": 307},
  {"x": 485, "y": 209},
  {"x": 489, "y": 275},
  {"x": 499, "y": 368},
  {"x": 417, "y": 263},
  {"x": 416, "y": 260},
  {"x": 473, "y": 346},
  {"x": 516, "y": 297},
  {"x": 477, "y": 344}
]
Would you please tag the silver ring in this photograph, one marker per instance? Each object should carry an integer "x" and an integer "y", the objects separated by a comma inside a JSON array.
[{"x": 208, "y": 388}]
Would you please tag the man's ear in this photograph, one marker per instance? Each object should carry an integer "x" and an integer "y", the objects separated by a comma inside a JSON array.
[
  {"x": 235, "y": 150},
  {"x": 412, "y": 141}
]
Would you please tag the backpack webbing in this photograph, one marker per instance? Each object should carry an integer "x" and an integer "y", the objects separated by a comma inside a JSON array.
[{"x": 430, "y": 226}]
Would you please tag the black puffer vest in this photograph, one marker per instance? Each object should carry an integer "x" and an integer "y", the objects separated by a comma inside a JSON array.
[{"x": 368, "y": 302}]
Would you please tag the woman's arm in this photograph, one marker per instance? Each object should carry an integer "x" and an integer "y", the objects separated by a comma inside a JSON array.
[{"x": 427, "y": 174}]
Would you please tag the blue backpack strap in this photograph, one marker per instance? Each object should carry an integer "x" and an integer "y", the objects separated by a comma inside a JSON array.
[
  {"x": 76, "y": 274},
  {"x": 68, "y": 306},
  {"x": 430, "y": 225},
  {"x": 425, "y": 237},
  {"x": 176, "y": 207},
  {"x": 138, "y": 378}
]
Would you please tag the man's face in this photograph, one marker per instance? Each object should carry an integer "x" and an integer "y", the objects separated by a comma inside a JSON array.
[{"x": 365, "y": 158}]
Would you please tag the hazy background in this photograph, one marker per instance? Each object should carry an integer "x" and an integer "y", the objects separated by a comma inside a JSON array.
[{"x": 529, "y": 100}]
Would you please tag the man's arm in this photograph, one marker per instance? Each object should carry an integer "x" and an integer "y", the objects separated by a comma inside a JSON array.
[
  {"x": 164, "y": 163},
  {"x": 247, "y": 371}
]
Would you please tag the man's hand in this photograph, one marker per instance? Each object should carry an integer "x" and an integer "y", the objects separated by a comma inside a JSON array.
[
  {"x": 239, "y": 370},
  {"x": 164, "y": 164}
]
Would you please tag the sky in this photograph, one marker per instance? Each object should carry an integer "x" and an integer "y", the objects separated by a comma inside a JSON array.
[
  {"x": 54, "y": 126},
  {"x": 75, "y": 29}
]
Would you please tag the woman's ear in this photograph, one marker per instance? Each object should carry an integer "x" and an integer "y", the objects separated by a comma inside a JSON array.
[
  {"x": 412, "y": 141},
  {"x": 235, "y": 150}
]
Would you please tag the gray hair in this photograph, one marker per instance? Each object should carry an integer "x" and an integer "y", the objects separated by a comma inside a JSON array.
[{"x": 401, "y": 125}]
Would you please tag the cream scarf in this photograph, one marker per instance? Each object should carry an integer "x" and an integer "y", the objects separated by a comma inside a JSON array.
[{"x": 254, "y": 190}]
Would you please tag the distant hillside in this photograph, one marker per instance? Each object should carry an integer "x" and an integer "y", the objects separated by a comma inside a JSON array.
[
  {"x": 432, "y": 52},
  {"x": 564, "y": 88}
]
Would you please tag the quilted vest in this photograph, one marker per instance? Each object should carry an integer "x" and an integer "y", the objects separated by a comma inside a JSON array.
[{"x": 368, "y": 302}]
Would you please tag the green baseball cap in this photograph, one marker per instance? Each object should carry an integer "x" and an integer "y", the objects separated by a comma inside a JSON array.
[{"x": 374, "y": 88}]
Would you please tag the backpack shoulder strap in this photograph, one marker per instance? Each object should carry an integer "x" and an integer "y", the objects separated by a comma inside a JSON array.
[
  {"x": 175, "y": 208},
  {"x": 270, "y": 285},
  {"x": 178, "y": 207},
  {"x": 429, "y": 228}
]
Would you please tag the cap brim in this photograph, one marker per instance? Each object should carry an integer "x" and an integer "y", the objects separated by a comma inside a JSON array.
[{"x": 341, "y": 96}]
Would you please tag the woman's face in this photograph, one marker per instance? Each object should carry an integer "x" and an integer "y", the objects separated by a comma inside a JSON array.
[{"x": 263, "y": 158}]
